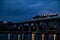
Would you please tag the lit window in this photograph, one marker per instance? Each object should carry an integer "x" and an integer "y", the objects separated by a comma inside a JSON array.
[
  {"x": 14, "y": 25},
  {"x": 26, "y": 24},
  {"x": 20, "y": 25},
  {"x": 31, "y": 24}
]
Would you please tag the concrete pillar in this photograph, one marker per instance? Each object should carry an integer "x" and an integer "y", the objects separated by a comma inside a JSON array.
[
  {"x": 18, "y": 36},
  {"x": 8, "y": 36},
  {"x": 33, "y": 36}
]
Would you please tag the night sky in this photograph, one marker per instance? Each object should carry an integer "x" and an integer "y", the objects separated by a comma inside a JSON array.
[{"x": 21, "y": 10}]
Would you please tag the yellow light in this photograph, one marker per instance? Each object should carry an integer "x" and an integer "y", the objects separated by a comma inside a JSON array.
[
  {"x": 33, "y": 27},
  {"x": 54, "y": 36},
  {"x": 42, "y": 36},
  {"x": 33, "y": 35},
  {"x": 18, "y": 27}
]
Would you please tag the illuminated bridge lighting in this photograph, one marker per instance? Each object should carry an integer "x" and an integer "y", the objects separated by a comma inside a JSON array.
[{"x": 36, "y": 29}]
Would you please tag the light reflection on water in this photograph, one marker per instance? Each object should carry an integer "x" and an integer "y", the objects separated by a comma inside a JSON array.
[{"x": 6, "y": 36}]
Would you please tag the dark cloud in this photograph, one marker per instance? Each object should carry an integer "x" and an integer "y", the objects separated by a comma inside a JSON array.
[{"x": 20, "y": 10}]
